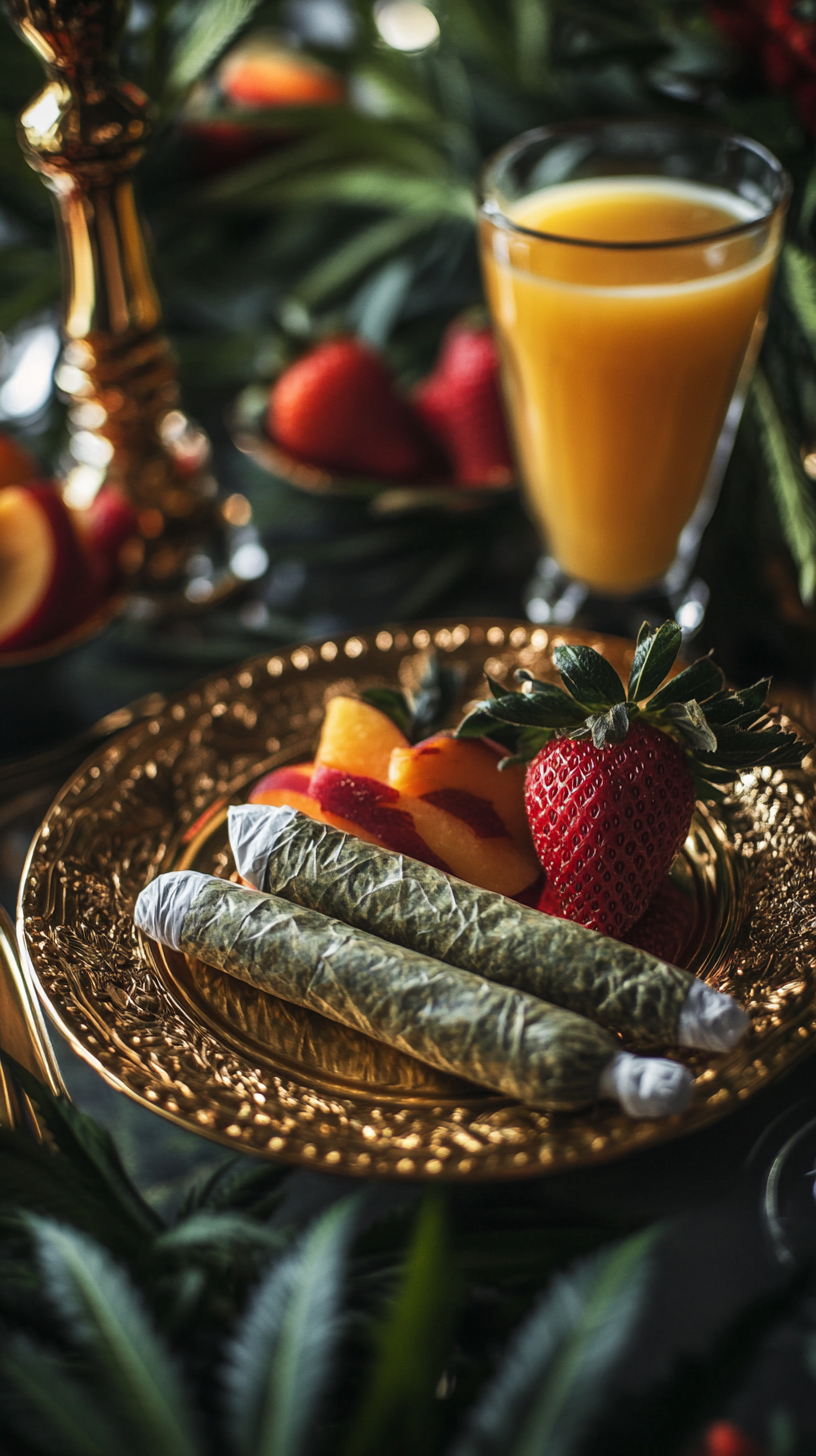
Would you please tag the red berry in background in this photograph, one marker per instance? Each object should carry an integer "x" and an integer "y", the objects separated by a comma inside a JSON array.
[
  {"x": 461, "y": 405},
  {"x": 608, "y": 822},
  {"x": 338, "y": 407},
  {"x": 725, "y": 1439},
  {"x": 663, "y": 928},
  {"x": 104, "y": 527}
]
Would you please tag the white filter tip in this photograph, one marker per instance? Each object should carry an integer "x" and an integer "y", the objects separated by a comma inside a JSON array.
[
  {"x": 647, "y": 1086},
  {"x": 162, "y": 906},
  {"x": 710, "y": 1020},
  {"x": 254, "y": 830}
]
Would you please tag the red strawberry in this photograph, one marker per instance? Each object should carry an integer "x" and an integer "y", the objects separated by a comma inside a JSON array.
[
  {"x": 723, "y": 1438},
  {"x": 608, "y": 822},
  {"x": 663, "y": 928},
  {"x": 613, "y": 780},
  {"x": 462, "y": 407},
  {"x": 338, "y": 407}
]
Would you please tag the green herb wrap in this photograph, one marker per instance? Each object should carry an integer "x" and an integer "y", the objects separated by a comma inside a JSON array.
[
  {"x": 449, "y": 1018},
  {"x": 412, "y": 904}
]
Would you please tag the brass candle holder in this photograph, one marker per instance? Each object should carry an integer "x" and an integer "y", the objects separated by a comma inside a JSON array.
[{"x": 84, "y": 133}]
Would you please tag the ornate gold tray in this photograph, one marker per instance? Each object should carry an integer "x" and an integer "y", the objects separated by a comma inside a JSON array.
[{"x": 250, "y": 1071}]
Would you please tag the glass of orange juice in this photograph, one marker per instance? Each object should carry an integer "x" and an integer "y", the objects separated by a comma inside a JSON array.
[{"x": 627, "y": 266}]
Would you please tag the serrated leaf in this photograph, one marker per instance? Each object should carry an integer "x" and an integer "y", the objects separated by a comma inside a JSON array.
[
  {"x": 592, "y": 680},
  {"x": 479, "y": 722},
  {"x": 552, "y": 1378},
  {"x": 411, "y": 1345},
  {"x": 654, "y": 655},
  {"x": 280, "y": 1359},
  {"x": 536, "y": 710},
  {"x": 611, "y": 727},
  {"x": 728, "y": 707},
  {"x": 689, "y": 721},
  {"x": 700, "y": 681},
  {"x": 215, "y": 23},
  {"x": 92, "y": 1153},
  {"x": 101, "y": 1309},
  {"x": 393, "y": 704},
  {"x": 225, "y": 1230},
  {"x": 43, "y": 1401},
  {"x": 799, "y": 273},
  {"x": 792, "y": 490}
]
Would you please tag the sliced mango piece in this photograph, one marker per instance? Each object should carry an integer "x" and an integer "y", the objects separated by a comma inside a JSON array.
[{"x": 358, "y": 739}]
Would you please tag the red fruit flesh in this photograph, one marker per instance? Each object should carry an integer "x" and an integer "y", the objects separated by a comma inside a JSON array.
[
  {"x": 373, "y": 806},
  {"x": 608, "y": 822},
  {"x": 337, "y": 407},
  {"x": 461, "y": 405}
]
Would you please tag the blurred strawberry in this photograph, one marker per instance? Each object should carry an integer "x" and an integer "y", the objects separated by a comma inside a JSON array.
[
  {"x": 104, "y": 527},
  {"x": 662, "y": 929},
  {"x": 723, "y": 1438},
  {"x": 338, "y": 407},
  {"x": 461, "y": 405},
  {"x": 780, "y": 35}
]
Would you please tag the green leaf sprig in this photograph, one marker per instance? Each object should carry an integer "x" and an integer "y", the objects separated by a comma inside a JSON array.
[
  {"x": 424, "y": 711},
  {"x": 721, "y": 731}
]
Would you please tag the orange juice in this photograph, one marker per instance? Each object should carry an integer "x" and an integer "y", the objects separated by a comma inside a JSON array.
[{"x": 620, "y": 362}]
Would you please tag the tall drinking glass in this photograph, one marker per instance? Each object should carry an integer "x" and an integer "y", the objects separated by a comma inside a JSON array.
[{"x": 627, "y": 266}]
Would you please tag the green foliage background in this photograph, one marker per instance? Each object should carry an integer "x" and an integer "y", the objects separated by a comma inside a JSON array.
[{"x": 362, "y": 215}]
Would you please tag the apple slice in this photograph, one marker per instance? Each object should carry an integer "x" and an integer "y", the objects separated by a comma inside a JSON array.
[
  {"x": 44, "y": 578},
  {"x": 358, "y": 739}
]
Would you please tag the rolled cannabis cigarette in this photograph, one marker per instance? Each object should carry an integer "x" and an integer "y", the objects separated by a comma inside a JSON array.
[
  {"x": 449, "y": 1018},
  {"x": 412, "y": 904}
]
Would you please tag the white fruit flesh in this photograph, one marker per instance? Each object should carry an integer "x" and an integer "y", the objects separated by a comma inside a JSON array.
[{"x": 28, "y": 554}]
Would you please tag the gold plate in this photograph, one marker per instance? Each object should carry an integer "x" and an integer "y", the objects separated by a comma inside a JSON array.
[{"x": 252, "y": 1072}]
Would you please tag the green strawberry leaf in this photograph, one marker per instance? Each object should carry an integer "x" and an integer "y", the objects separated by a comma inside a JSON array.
[
  {"x": 700, "y": 681},
  {"x": 534, "y": 710},
  {"x": 690, "y": 722},
  {"x": 654, "y": 655},
  {"x": 611, "y": 727},
  {"x": 734, "y": 707},
  {"x": 592, "y": 681},
  {"x": 394, "y": 704},
  {"x": 480, "y": 722}
]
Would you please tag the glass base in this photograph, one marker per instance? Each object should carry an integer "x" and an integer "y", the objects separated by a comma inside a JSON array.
[{"x": 553, "y": 597}]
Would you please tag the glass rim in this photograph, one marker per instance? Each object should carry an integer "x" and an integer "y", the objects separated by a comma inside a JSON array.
[{"x": 540, "y": 133}]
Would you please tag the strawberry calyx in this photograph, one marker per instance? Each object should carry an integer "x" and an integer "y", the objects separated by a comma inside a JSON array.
[{"x": 722, "y": 732}]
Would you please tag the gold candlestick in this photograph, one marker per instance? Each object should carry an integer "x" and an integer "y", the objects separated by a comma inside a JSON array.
[{"x": 85, "y": 133}]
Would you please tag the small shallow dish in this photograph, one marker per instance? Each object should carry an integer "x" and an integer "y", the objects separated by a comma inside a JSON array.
[
  {"x": 250, "y": 1071},
  {"x": 384, "y": 497}
]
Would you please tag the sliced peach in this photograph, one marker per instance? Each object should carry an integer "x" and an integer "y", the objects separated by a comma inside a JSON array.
[
  {"x": 463, "y": 777},
  {"x": 294, "y": 776},
  {"x": 290, "y": 798},
  {"x": 358, "y": 739},
  {"x": 423, "y": 830}
]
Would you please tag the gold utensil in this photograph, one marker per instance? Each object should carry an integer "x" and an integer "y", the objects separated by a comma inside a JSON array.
[
  {"x": 22, "y": 1036},
  {"x": 84, "y": 133}
]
